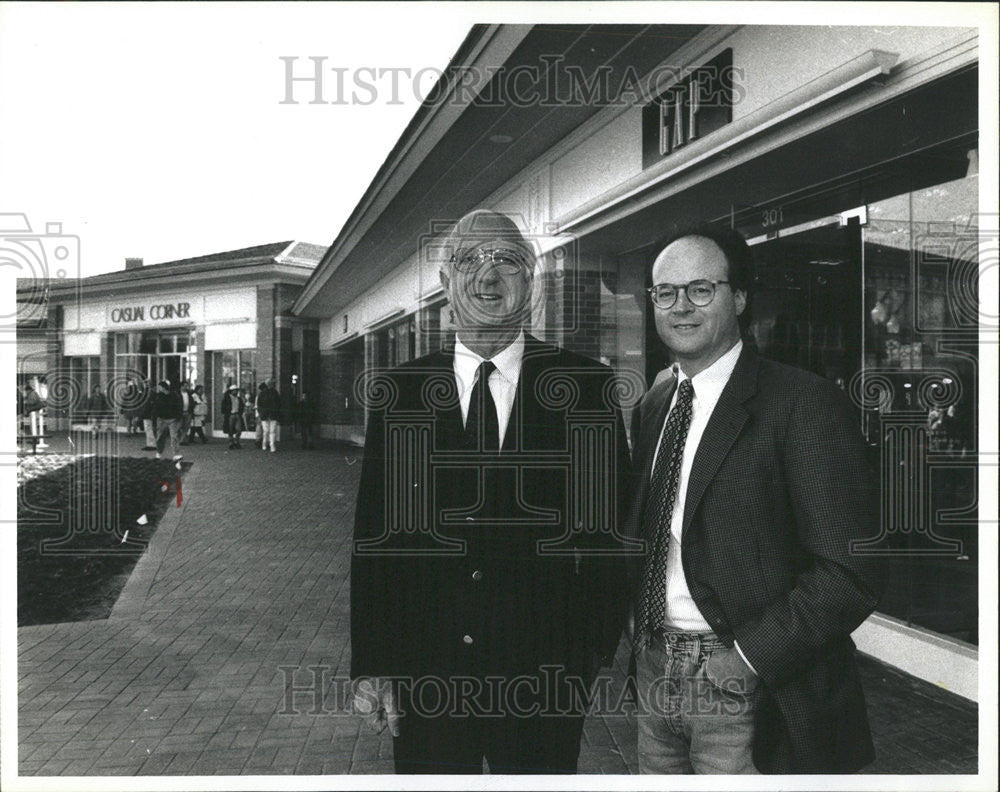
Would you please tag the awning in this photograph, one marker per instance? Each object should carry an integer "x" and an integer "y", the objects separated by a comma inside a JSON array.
[
  {"x": 82, "y": 344},
  {"x": 231, "y": 335}
]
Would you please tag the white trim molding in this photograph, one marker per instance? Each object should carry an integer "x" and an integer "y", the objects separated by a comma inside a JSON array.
[{"x": 946, "y": 662}]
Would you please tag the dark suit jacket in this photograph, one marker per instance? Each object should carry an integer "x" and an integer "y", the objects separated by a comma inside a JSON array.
[
  {"x": 447, "y": 539},
  {"x": 779, "y": 489}
]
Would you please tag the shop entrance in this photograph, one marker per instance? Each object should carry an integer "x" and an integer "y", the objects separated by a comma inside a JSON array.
[{"x": 174, "y": 368}]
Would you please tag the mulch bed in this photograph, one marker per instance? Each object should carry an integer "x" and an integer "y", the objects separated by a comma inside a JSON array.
[{"x": 73, "y": 553}]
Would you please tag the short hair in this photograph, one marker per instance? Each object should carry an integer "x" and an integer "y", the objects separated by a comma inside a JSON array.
[{"x": 739, "y": 259}]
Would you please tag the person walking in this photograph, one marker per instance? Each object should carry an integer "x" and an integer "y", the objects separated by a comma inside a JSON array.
[
  {"x": 305, "y": 417},
  {"x": 145, "y": 414},
  {"x": 269, "y": 410},
  {"x": 130, "y": 408},
  {"x": 232, "y": 415},
  {"x": 199, "y": 410},
  {"x": 257, "y": 423},
  {"x": 168, "y": 411},
  {"x": 98, "y": 409},
  {"x": 187, "y": 412},
  {"x": 29, "y": 402}
]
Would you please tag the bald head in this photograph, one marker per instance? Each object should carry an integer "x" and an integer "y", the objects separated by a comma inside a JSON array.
[
  {"x": 488, "y": 230},
  {"x": 697, "y": 332}
]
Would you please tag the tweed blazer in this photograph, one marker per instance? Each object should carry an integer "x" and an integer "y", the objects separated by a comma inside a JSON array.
[
  {"x": 779, "y": 490},
  {"x": 467, "y": 563}
]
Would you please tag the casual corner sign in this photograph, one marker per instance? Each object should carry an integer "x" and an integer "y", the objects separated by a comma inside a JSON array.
[{"x": 155, "y": 312}]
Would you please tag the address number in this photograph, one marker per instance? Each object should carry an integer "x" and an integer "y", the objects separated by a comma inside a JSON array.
[{"x": 772, "y": 217}]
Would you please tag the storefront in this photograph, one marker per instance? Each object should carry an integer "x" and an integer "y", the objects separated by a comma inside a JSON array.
[
  {"x": 848, "y": 157},
  {"x": 215, "y": 321}
]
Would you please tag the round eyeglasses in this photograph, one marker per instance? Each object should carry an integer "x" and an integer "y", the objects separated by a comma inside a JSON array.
[
  {"x": 508, "y": 260},
  {"x": 699, "y": 292}
]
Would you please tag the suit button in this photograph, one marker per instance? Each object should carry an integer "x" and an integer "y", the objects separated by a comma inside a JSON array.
[
  {"x": 467, "y": 639},
  {"x": 477, "y": 575}
]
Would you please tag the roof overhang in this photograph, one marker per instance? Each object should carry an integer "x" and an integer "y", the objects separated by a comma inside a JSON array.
[{"x": 461, "y": 148}]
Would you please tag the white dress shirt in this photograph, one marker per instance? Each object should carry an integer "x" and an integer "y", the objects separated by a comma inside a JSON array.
[
  {"x": 682, "y": 613},
  {"x": 502, "y": 382}
]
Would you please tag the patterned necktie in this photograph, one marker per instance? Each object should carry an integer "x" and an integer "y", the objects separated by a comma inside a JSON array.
[
  {"x": 657, "y": 514},
  {"x": 482, "y": 427}
]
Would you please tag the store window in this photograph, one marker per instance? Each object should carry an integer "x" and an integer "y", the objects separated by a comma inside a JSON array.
[
  {"x": 396, "y": 343},
  {"x": 86, "y": 373},
  {"x": 871, "y": 282},
  {"x": 921, "y": 350},
  {"x": 157, "y": 355}
]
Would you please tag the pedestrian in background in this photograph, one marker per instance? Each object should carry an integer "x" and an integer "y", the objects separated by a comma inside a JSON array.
[
  {"x": 129, "y": 400},
  {"x": 98, "y": 409},
  {"x": 187, "y": 412},
  {"x": 258, "y": 424},
  {"x": 28, "y": 402},
  {"x": 168, "y": 410},
  {"x": 269, "y": 410},
  {"x": 305, "y": 417},
  {"x": 199, "y": 409},
  {"x": 232, "y": 415},
  {"x": 146, "y": 416}
]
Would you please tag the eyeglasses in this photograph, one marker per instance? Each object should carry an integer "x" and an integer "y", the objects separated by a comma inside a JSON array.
[
  {"x": 508, "y": 260},
  {"x": 699, "y": 292}
]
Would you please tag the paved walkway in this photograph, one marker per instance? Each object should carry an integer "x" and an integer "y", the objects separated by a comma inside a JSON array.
[{"x": 244, "y": 592}]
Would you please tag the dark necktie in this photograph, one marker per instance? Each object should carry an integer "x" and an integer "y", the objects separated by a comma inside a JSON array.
[
  {"x": 658, "y": 511},
  {"x": 482, "y": 428}
]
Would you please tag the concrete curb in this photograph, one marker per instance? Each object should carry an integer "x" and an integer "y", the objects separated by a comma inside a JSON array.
[{"x": 132, "y": 600}]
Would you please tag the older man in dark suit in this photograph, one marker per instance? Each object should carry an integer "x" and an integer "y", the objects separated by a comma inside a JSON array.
[
  {"x": 753, "y": 485},
  {"x": 487, "y": 580}
]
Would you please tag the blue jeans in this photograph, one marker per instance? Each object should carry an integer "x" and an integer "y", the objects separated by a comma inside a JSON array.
[
  {"x": 167, "y": 427},
  {"x": 687, "y": 724}
]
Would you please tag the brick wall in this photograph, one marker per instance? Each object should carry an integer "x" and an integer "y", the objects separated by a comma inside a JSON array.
[
  {"x": 573, "y": 309},
  {"x": 265, "y": 332}
]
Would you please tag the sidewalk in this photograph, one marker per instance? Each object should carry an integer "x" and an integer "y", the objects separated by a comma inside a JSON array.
[{"x": 249, "y": 577}]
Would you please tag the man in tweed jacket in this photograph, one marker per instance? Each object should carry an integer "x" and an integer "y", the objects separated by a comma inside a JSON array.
[{"x": 749, "y": 591}]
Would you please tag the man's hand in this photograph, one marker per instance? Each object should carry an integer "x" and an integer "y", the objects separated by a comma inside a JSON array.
[
  {"x": 375, "y": 702},
  {"x": 726, "y": 670}
]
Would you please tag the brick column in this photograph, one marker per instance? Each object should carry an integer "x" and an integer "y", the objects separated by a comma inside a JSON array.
[{"x": 265, "y": 332}]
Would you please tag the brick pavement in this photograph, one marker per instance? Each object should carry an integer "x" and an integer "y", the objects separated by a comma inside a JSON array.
[{"x": 250, "y": 576}]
